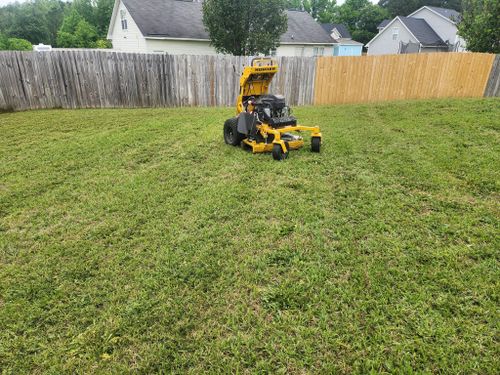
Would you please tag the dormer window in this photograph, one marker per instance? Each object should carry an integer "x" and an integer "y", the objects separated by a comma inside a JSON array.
[{"x": 123, "y": 16}]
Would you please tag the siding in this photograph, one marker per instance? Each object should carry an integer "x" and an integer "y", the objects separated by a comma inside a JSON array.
[
  {"x": 130, "y": 40},
  {"x": 302, "y": 50},
  {"x": 385, "y": 45},
  {"x": 180, "y": 47},
  {"x": 446, "y": 30}
]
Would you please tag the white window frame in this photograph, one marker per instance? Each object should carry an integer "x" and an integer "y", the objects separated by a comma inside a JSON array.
[
  {"x": 319, "y": 51},
  {"x": 123, "y": 16},
  {"x": 395, "y": 33}
]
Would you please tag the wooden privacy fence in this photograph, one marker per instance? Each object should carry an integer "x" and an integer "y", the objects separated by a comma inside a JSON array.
[
  {"x": 395, "y": 77},
  {"x": 98, "y": 79}
]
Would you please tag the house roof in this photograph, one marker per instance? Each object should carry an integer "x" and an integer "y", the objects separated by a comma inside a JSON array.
[
  {"x": 450, "y": 14},
  {"x": 383, "y": 24},
  {"x": 183, "y": 20},
  {"x": 341, "y": 28},
  {"x": 348, "y": 42},
  {"x": 422, "y": 31}
]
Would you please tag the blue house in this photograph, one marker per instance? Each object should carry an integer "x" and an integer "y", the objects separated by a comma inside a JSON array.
[{"x": 343, "y": 45}]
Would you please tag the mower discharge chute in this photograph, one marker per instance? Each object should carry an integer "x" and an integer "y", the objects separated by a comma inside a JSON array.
[{"x": 263, "y": 121}]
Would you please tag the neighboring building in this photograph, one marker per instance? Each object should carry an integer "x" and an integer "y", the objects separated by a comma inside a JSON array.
[
  {"x": 176, "y": 27},
  {"x": 343, "y": 45},
  {"x": 428, "y": 29}
]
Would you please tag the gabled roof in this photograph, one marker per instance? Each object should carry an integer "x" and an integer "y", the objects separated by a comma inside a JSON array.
[
  {"x": 183, "y": 20},
  {"x": 422, "y": 31},
  {"x": 302, "y": 28},
  {"x": 341, "y": 28},
  {"x": 383, "y": 24},
  {"x": 450, "y": 14}
]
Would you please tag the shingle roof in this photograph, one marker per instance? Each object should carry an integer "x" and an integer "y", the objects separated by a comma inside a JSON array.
[
  {"x": 422, "y": 31},
  {"x": 183, "y": 19},
  {"x": 383, "y": 24},
  {"x": 451, "y": 14},
  {"x": 303, "y": 28},
  {"x": 342, "y": 29}
]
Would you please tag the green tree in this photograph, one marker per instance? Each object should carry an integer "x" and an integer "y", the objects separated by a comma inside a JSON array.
[
  {"x": 406, "y": 7},
  {"x": 361, "y": 18},
  {"x": 17, "y": 44},
  {"x": 36, "y": 20},
  {"x": 241, "y": 27},
  {"x": 480, "y": 25},
  {"x": 3, "y": 42},
  {"x": 103, "y": 11},
  {"x": 321, "y": 10},
  {"x": 76, "y": 32}
]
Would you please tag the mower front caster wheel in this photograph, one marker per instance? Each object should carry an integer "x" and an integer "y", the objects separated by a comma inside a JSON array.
[
  {"x": 278, "y": 153},
  {"x": 315, "y": 144},
  {"x": 231, "y": 135}
]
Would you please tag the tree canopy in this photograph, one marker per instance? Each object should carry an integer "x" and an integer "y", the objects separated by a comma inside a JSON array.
[
  {"x": 480, "y": 26},
  {"x": 42, "y": 21},
  {"x": 241, "y": 27}
]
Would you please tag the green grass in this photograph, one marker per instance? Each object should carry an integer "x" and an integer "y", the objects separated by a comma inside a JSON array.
[{"x": 137, "y": 241}]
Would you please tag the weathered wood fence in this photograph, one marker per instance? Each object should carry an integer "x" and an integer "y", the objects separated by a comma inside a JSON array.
[
  {"x": 97, "y": 79},
  {"x": 493, "y": 87}
]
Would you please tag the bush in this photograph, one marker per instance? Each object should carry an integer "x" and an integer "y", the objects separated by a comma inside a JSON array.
[
  {"x": 16, "y": 44},
  {"x": 103, "y": 43}
]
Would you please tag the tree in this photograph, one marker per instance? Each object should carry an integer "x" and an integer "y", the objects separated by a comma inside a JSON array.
[
  {"x": 406, "y": 7},
  {"x": 76, "y": 32},
  {"x": 480, "y": 25},
  {"x": 17, "y": 44},
  {"x": 361, "y": 18},
  {"x": 243, "y": 28},
  {"x": 321, "y": 10},
  {"x": 3, "y": 42}
]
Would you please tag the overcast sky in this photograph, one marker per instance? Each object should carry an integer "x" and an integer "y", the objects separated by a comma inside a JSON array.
[{"x": 4, "y": 2}]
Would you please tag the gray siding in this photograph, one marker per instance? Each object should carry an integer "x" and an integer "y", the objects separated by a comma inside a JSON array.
[{"x": 385, "y": 45}]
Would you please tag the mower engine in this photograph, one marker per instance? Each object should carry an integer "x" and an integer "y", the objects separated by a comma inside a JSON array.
[{"x": 272, "y": 110}]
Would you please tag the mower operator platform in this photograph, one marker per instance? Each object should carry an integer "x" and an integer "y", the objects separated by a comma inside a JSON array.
[{"x": 264, "y": 122}]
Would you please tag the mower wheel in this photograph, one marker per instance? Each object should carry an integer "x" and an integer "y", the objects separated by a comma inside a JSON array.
[
  {"x": 278, "y": 153},
  {"x": 231, "y": 135},
  {"x": 315, "y": 144}
]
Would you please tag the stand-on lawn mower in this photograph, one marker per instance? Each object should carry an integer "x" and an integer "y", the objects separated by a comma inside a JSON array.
[{"x": 263, "y": 122}]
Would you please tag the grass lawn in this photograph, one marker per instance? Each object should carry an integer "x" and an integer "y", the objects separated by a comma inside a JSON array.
[{"x": 136, "y": 240}]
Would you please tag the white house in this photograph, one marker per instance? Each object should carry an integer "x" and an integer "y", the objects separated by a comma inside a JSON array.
[
  {"x": 428, "y": 29},
  {"x": 176, "y": 27}
]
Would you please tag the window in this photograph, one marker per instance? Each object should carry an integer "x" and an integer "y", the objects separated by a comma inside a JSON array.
[
  {"x": 123, "y": 15},
  {"x": 273, "y": 52},
  {"x": 395, "y": 33},
  {"x": 318, "y": 51}
]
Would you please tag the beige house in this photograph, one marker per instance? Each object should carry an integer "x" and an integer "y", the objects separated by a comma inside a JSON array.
[{"x": 175, "y": 27}]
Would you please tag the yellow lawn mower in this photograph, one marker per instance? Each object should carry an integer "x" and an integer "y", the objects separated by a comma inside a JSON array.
[{"x": 264, "y": 122}]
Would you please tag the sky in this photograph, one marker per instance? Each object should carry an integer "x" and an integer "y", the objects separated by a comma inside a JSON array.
[{"x": 4, "y": 2}]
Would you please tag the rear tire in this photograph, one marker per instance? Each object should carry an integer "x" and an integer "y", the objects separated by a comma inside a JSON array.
[
  {"x": 315, "y": 144},
  {"x": 278, "y": 153},
  {"x": 231, "y": 135}
]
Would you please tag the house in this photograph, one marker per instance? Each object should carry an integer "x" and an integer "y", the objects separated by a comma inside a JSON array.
[
  {"x": 428, "y": 29},
  {"x": 176, "y": 27},
  {"x": 343, "y": 45}
]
